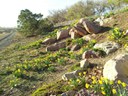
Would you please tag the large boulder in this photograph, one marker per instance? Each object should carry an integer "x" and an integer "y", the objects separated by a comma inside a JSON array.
[
  {"x": 61, "y": 34},
  {"x": 108, "y": 46},
  {"x": 49, "y": 41},
  {"x": 56, "y": 46},
  {"x": 117, "y": 68},
  {"x": 91, "y": 27},
  {"x": 73, "y": 33}
]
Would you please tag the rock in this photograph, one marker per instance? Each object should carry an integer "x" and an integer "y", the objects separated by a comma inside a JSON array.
[
  {"x": 49, "y": 41},
  {"x": 126, "y": 32},
  {"x": 91, "y": 27},
  {"x": 117, "y": 68},
  {"x": 100, "y": 21},
  {"x": 56, "y": 46},
  {"x": 81, "y": 31},
  {"x": 62, "y": 34},
  {"x": 87, "y": 37},
  {"x": 68, "y": 76},
  {"x": 71, "y": 75},
  {"x": 108, "y": 47},
  {"x": 75, "y": 47},
  {"x": 74, "y": 34},
  {"x": 89, "y": 54},
  {"x": 84, "y": 64}
]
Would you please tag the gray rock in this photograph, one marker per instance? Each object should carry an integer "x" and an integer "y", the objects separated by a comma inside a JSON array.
[
  {"x": 49, "y": 41},
  {"x": 117, "y": 68},
  {"x": 62, "y": 34},
  {"x": 108, "y": 47},
  {"x": 56, "y": 46},
  {"x": 69, "y": 93},
  {"x": 84, "y": 64},
  {"x": 71, "y": 75},
  {"x": 75, "y": 47},
  {"x": 68, "y": 76}
]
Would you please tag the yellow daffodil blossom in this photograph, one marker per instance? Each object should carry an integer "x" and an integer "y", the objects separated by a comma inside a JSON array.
[
  {"x": 123, "y": 84},
  {"x": 80, "y": 74},
  {"x": 93, "y": 77},
  {"x": 103, "y": 93},
  {"x": 119, "y": 82},
  {"x": 84, "y": 73},
  {"x": 94, "y": 82},
  {"x": 87, "y": 85},
  {"x": 100, "y": 82},
  {"x": 78, "y": 80},
  {"x": 114, "y": 91},
  {"x": 102, "y": 88},
  {"x": 111, "y": 82}
]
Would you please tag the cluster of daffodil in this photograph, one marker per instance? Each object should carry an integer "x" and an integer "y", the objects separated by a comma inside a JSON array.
[
  {"x": 15, "y": 82},
  {"x": 39, "y": 64},
  {"x": 100, "y": 85}
]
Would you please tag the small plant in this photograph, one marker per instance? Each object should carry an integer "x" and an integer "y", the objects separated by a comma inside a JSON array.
[
  {"x": 61, "y": 61},
  {"x": 79, "y": 41},
  {"x": 116, "y": 34}
]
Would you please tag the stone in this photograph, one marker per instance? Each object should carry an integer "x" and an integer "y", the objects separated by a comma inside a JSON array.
[
  {"x": 75, "y": 47},
  {"x": 126, "y": 32},
  {"x": 87, "y": 37},
  {"x": 108, "y": 47},
  {"x": 117, "y": 68},
  {"x": 61, "y": 34},
  {"x": 49, "y": 41},
  {"x": 89, "y": 54},
  {"x": 100, "y": 21},
  {"x": 84, "y": 64},
  {"x": 68, "y": 76},
  {"x": 71, "y": 75},
  {"x": 91, "y": 27},
  {"x": 83, "y": 92},
  {"x": 56, "y": 46},
  {"x": 73, "y": 34},
  {"x": 81, "y": 31}
]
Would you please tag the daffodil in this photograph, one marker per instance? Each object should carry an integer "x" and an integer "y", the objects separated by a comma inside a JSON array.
[
  {"x": 93, "y": 77},
  {"x": 119, "y": 82},
  {"x": 94, "y": 82},
  {"x": 111, "y": 82},
  {"x": 102, "y": 88},
  {"x": 78, "y": 80},
  {"x": 124, "y": 84},
  {"x": 87, "y": 85},
  {"x": 84, "y": 73},
  {"x": 114, "y": 91},
  {"x": 100, "y": 82},
  {"x": 80, "y": 74},
  {"x": 103, "y": 93}
]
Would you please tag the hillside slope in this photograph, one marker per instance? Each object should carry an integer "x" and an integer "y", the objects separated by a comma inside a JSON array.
[{"x": 28, "y": 69}]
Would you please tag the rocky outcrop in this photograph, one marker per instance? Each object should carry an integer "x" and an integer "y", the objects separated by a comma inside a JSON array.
[
  {"x": 108, "y": 47},
  {"x": 56, "y": 46},
  {"x": 62, "y": 34},
  {"x": 117, "y": 68},
  {"x": 48, "y": 41}
]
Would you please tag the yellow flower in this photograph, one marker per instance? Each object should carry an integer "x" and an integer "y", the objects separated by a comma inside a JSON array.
[
  {"x": 111, "y": 82},
  {"x": 84, "y": 73},
  {"x": 124, "y": 84},
  {"x": 103, "y": 93},
  {"x": 78, "y": 80},
  {"x": 80, "y": 74},
  {"x": 102, "y": 88},
  {"x": 93, "y": 77},
  {"x": 94, "y": 82},
  {"x": 119, "y": 82},
  {"x": 68, "y": 82},
  {"x": 87, "y": 85},
  {"x": 100, "y": 82},
  {"x": 114, "y": 91}
]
